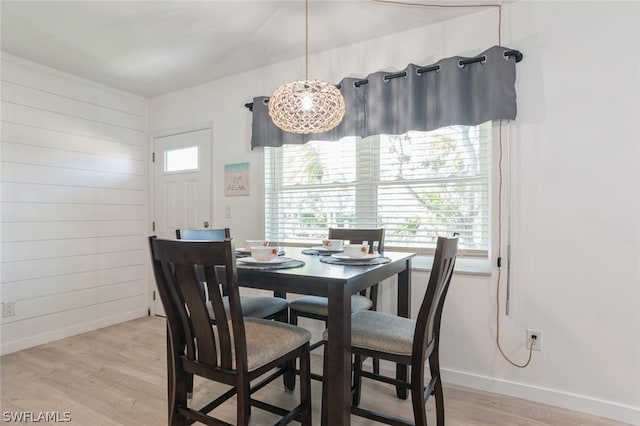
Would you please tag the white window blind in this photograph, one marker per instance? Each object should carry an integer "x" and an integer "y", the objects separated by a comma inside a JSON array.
[{"x": 417, "y": 186}]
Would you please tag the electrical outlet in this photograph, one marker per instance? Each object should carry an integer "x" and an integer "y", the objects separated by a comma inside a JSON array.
[
  {"x": 9, "y": 309},
  {"x": 227, "y": 211},
  {"x": 538, "y": 338}
]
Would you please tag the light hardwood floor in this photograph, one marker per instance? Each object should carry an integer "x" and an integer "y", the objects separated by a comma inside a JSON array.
[{"x": 116, "y": 376}]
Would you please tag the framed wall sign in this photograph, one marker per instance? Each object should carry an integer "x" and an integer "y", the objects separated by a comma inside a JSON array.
[{"x": 236, "y": 179}]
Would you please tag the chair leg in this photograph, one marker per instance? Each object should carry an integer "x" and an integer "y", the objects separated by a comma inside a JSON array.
[
  {"x": 418, "y": 402},
  {"x": 179, "y": 384},
  {"x": 289, "y": 376},
  {"x": 357, "y": 380},
  {"x": 376, "y": 365},
  {"x": 305, "y": 385},
  {"x": 434, "y": 367},
  {"x": 243, "y": 404},
  {"x": 439, "y": 400},
  {"x": 325, "y": 366}
]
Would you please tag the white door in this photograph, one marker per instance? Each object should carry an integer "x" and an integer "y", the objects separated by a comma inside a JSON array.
[{"x": 182, "y": 185}]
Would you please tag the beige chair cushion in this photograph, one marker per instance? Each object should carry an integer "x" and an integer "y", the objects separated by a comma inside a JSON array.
[
  {"x": 268, "y": 340},
  {"x": 382, "y": 332},
  {"x": 320, "y": 305},
  {"x": 254, "y": 306}
]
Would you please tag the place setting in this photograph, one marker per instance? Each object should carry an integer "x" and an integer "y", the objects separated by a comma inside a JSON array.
[
  {"x": 355, "y": 254},
  {"x": 245, "y": 251},
  {"x": 328, "y": 247},
  {"x": 260, "y": 256}
]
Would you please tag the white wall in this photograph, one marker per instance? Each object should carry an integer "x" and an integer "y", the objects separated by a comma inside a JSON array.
[
  {"x": 575, "y": 205},
  {"x": 73, "y": 213}
]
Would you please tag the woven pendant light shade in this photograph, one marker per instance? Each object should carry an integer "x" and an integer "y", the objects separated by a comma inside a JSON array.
[{"x": 306, "y": 106}]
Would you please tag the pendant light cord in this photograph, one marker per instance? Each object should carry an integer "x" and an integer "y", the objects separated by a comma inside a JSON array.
[{"x": 306, "y": 40}]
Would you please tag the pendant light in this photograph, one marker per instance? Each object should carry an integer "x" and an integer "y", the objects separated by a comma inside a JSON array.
[{"x": 306, "y": 106}]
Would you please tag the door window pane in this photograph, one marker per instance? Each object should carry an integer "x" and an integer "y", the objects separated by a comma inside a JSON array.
[{"x": 177, "y": 160}]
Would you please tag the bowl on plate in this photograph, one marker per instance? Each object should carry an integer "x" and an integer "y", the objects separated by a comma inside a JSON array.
[
  {"x": 332, "y": 244},
  {"x": 356, "y": 250},
  {"x": 257, "y": 243},
  {"x": 264, "y": 254}
]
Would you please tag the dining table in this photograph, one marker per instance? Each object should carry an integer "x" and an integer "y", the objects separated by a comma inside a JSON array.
[{"x": 312, "y": 274}]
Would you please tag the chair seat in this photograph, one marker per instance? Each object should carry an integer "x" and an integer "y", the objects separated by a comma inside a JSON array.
[
  {"x": 269, "y": 340},
  {"x": 254, "y": 306},
  {"x": 320, "y": 305},
  {"x": 381, "y": 332}
]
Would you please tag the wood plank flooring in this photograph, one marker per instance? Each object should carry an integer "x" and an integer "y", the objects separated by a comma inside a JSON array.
[{"x": 117, "y": 376}]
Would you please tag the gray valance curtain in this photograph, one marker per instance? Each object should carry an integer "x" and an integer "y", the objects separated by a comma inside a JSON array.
[{"x": 425, "y": 98}]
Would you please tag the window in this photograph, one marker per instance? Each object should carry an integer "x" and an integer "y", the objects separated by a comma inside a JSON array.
[
  {"x": 179, "y": 160},
  {"x": 417, "y": 186}
]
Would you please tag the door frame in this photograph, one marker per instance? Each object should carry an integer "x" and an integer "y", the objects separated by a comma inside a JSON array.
[{"x": 151, "y": 284}]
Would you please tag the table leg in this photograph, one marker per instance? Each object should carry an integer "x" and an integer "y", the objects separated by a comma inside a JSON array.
[
  {"x": 404, "y": 310},
  {"x": 338, "y": 375}
]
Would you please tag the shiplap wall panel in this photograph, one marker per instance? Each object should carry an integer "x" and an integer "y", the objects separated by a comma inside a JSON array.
[
  {"x": 73, "y": 222},
  {"x": 30, "y": 250},
  {"x": 38, "y": 231},
  {"x": 69, "y": 142},
  {"x": 26, "y": 96},
  {"x": 36, "y": 193},
  {"x": 33, "y": 75},
  {"x": 70, "y": 282},
  {"x": 16, "y": 113},
  {"x": 43, "y": 175},
  {"x": 41, "y": 306},
  {"x": 34, "y": 268},
  {"x": 53, "y": 157},
  {"x": 55, "y": 212}
]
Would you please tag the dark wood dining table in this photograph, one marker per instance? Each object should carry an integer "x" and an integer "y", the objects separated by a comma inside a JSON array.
[{"x": 337, "y": 283}]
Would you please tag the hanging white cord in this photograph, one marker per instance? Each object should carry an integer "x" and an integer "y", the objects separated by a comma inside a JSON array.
[{"x": 500, "y": 192}]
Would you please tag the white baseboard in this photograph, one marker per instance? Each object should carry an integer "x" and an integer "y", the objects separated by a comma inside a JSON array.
[
  {"x": 567, "y": 400},
  {"x": 83, "y": 327}
]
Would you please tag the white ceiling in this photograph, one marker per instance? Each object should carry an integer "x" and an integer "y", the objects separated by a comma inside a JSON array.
[{"x": 154, "y": 47}]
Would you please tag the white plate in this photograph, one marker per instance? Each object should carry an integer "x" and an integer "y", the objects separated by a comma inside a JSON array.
[
  {"x": 322, "y": 248},
  {"x": 365, "y": 257},
  {"x": 251, "y": 260}
]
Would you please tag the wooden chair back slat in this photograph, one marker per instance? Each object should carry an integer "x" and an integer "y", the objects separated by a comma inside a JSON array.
[
  {"x": 430, "y": 314},
  {"x": 178, "y": 265}
]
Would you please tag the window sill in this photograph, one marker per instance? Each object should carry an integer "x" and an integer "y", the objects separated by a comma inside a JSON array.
[{"x": 468, "y": 266}]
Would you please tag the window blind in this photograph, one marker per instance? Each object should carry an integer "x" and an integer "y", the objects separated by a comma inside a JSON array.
[{"x": 417, "y": 186}]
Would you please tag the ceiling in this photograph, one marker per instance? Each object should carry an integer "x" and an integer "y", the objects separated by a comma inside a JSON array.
[{"x": 154, "y": 47}]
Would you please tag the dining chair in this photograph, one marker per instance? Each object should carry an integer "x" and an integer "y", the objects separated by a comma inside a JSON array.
[
  {"x": 407, "y": 342},
  {"x": 236, "y": 350},
  {"x": 317, "y": 307},
  {"x": 252, "y": 306}
]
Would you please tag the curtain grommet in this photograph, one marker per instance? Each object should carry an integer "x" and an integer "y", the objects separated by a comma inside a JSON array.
[
  {"x": 265, "y": 101},
  {"x": 484, "y": 60},
  {"x": 505, "y": 56},
  {"x": 460, "y": 64}
]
